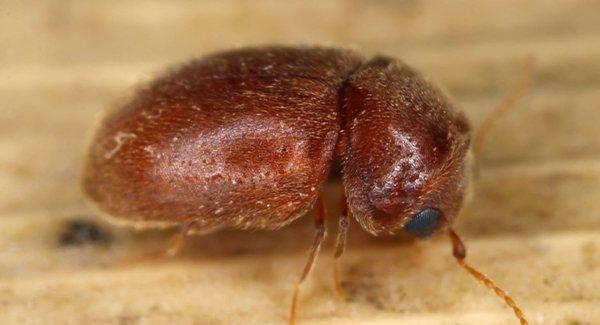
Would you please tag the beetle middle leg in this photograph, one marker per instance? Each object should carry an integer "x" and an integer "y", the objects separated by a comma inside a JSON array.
[{"x": 321, "y": 232}]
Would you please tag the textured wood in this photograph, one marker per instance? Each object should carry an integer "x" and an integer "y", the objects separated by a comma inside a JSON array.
[{"x": 532, "y": 224}]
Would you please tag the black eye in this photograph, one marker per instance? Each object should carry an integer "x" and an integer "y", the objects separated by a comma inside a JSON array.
[{"x": 423, "y": 223}]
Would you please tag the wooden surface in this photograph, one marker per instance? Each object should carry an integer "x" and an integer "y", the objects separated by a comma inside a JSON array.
[{"x": 533, "y": 223}]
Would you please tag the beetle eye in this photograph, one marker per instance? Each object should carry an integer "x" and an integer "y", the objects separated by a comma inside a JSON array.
[{"x": 423, "y": 223}]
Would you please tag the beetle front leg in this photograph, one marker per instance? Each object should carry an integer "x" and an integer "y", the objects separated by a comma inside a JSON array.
[{"x": 340, "y": 246}]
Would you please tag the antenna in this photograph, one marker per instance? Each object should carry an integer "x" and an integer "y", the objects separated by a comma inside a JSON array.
[
  {"x": 509, "y": 102},
  {"x": 459, "y": 251}
]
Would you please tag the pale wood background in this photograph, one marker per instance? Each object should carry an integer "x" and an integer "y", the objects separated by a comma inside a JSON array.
[{"x": 533, "y": 224}]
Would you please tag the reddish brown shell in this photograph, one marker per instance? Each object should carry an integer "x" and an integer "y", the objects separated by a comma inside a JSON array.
[
  {"x": 246, "y": 138},
  {"x": 241, "y": 139},
  {"x": 406, "y": 147}
]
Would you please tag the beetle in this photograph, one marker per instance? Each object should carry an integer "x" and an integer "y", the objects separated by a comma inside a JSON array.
[{"x": 245, "y": 139}]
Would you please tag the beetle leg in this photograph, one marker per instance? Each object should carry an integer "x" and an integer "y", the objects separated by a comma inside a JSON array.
[
  {"x": 340, "y": 246},
  {"x": 177, "y": 239},
  {"x": 172, "y": 250},
  {"x": 321, "y": 232}
]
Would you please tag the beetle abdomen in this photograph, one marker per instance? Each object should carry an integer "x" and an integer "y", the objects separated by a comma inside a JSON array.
[{"x": 242, "y": 139}]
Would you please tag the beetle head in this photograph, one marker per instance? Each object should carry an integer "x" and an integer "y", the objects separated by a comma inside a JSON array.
[{"x": 406, "y": 163}]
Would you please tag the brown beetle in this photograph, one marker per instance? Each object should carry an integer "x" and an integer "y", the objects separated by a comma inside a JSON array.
[{"x": 245, "y": 139}]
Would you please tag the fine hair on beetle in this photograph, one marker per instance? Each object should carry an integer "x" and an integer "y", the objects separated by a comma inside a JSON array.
[{"x": 245, "y": 139}]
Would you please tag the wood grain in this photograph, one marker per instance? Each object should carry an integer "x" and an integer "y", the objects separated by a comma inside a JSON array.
[{"x": 532, "y": 224}]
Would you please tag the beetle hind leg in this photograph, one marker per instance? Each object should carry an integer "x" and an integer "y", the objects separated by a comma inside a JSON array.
[
  {"x": 177, "y": 239},
  {"x": 175, "y": 244}
]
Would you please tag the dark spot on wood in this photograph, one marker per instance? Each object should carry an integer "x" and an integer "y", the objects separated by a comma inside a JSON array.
[{"x": 80, "y": 232}]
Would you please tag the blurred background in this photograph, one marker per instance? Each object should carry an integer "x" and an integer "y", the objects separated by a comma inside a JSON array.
[{"x": 532, "y": 224}]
